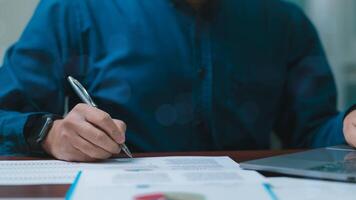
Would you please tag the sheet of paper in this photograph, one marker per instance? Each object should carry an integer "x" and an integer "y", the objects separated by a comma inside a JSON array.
[
  {"x": 60, "y": 172},
  {"x": 296, "y": 189},
  {"x": 174, "y": 192},
  {"x": 139, "y": 178},
  {"x": 206, "y": 178}
]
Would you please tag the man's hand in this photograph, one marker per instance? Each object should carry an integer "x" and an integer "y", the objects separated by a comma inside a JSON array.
[
  {"x": 350, "y": 128},
  {"x": 85, "y": 134}
]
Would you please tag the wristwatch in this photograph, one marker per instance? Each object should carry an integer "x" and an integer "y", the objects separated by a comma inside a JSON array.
[{"x": 36, "y": 130}]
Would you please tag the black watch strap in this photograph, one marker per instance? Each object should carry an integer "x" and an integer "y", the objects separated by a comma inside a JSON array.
[{"x": 36, "y": 130}]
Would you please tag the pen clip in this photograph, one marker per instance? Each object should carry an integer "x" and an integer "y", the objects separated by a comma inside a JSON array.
[{"x": 82, "y": 92}]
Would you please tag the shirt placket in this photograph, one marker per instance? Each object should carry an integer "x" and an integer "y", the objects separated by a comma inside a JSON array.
[{"x": 204, "y": 69}]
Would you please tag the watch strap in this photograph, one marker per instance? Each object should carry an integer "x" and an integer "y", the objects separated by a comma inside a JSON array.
[{"x": 36, "y": 130}]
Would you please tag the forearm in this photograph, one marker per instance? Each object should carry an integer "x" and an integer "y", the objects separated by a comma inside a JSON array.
[
  {"x": 329, "y": 133},
  {"x": 12, "y": 140}
]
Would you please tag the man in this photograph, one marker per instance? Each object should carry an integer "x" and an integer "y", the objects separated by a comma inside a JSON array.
[{"x": 183, "y": 75}]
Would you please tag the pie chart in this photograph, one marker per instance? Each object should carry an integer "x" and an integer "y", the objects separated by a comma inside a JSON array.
[{"x": 170, "y": 196}]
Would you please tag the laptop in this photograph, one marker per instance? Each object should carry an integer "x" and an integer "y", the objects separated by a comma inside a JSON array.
[{"x": 331, "y": 163}]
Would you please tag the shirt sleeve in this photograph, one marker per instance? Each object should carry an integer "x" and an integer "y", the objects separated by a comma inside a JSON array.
[
  {"x": 308, "y": 116},
  {"x": 32, "y": 76}
]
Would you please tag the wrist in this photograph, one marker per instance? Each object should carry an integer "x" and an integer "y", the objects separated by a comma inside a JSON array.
[
  {"x": 47, "y": 143},
  {"x": 37, "y": 129}
]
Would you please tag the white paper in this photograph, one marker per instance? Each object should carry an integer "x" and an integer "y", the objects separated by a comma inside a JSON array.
[
  {"x": 112, "y": 177},
  {"x": 207, "y": 177},
  {"x": 60, "y": 172},
  {"x": 248, "y": 191},
  {"x": 296, "y": 189}
]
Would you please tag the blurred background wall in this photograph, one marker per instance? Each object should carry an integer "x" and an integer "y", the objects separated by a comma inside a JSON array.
[
  {"x": 336, "y": 23},
  {"x": 334, "y": 19},
  {"x": 14, "y": 15}
]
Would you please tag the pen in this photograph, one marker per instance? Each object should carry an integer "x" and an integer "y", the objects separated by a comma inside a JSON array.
[{"x": 85, "y": 97}]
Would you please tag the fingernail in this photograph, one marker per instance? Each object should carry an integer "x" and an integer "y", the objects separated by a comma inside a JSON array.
[{"x": 120, "y": 139}]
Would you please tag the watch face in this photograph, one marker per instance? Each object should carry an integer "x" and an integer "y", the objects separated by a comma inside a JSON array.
[{"x": 45, "y": 129}]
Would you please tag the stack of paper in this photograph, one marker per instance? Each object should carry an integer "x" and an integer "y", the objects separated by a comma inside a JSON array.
[
  {"x": 60, "y": 172},
  {"x": 168, "y": 178}
]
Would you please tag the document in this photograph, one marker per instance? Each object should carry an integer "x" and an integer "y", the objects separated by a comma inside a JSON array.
[
  {"x": 200, "y": 178},
  {"x": 296, "y": 189},
  {"x": 173, "y": 192},
  {"x": 60, "y": 172},
  {"x": 138, "y": 178}
]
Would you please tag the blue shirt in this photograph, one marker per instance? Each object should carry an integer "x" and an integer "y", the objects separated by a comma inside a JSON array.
[{"x": 224, "y": 79}]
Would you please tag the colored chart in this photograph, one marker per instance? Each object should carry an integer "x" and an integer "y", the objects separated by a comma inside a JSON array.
[{"x": 170, "y": 196}]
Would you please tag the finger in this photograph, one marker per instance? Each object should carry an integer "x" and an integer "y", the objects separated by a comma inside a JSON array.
[
  {"x": 122, "y": 127},
  {"x": 103, "y": 121},
  {"x": 351, "y": 136},
  {"x": 97, "y": 137},
  {"x": 79, "y": 156},
  {"x": 74, "y": 155},
  {"x": 88, "y": 148},
  {"x": 350, "y": 130}
]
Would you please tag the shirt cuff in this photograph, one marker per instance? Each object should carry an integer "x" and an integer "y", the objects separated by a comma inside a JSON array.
[{"x": 11, "y": 132}]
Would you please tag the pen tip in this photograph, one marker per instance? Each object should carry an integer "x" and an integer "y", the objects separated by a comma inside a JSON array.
[{"x": 126, "y": 150}]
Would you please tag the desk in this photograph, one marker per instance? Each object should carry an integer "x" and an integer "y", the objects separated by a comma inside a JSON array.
[{"x": 60, "y": 190}]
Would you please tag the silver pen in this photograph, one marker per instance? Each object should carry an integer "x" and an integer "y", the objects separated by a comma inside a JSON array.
[{"x": 85, "y": 97}]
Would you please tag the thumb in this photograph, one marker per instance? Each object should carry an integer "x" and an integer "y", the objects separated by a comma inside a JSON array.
[
  {"x": 349, "y": 128},
  {"x": 122, "y": 130}
]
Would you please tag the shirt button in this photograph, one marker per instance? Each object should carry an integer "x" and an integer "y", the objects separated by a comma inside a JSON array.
[
  {"x": 198, "y": 122},
  {"x": 202, "y": 126},
  {"x": 201, "y": 72}
]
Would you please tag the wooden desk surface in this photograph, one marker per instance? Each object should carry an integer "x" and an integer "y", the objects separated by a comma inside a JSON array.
[{"x": 60, "y": 190}]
